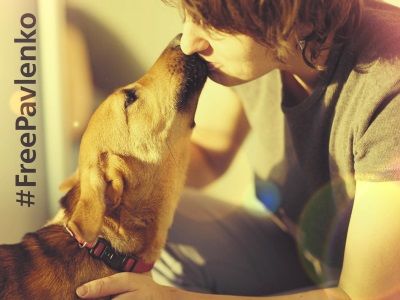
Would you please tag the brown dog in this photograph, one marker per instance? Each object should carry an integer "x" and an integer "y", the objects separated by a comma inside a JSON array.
[{"x": 132, "y": 163}]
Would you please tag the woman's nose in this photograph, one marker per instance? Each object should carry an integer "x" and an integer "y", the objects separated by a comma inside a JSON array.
[{"x": 192, "y": 40}]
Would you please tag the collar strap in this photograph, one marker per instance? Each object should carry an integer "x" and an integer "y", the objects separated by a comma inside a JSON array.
[
  {"x": 81, "y": 242},
  {"x": 101, "y": 249}
]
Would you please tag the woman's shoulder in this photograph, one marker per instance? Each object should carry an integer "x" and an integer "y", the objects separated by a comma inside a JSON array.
[{"x": 378, "y": 36}]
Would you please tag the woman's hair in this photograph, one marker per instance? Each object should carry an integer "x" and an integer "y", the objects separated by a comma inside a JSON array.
[{"x": 271, "y": 22}]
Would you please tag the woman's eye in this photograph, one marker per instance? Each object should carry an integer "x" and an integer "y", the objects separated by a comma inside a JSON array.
[{"x": 130, "y": 97}]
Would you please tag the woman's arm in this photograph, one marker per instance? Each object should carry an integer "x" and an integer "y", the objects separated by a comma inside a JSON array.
[
  {"x": 132, "y": 286},
  {"x": 321, "y": 294},
  {"x": 371, "y": 267},
  {"x": 221, "y": 127}
]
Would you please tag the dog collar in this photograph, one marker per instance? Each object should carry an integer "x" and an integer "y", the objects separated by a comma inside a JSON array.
[{"x": 101, "y": 249}]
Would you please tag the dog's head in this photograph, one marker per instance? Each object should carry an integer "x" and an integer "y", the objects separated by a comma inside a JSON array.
[{"x": 137, "y": 140}]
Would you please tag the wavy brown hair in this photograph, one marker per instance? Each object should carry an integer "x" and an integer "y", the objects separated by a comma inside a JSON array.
[{"x": 271, "y": 22}]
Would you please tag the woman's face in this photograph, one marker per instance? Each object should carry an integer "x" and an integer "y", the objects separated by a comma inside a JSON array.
[{"x": 232, "y": 58}]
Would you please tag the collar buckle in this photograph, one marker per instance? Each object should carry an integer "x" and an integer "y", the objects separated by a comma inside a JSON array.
[{"x": 102, "y": 250}]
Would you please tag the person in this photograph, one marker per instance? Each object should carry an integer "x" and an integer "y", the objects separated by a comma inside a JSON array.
[{"x": 315, "y": 87}]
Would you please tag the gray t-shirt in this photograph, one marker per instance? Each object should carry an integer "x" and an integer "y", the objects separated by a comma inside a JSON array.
[{"x": 307, "y": 158}]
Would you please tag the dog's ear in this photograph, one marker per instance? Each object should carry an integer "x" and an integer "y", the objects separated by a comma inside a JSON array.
[
  {"x": 88, "y": 214},
  {"x": 101, "y": 189},
  {"x": 70, "y": 182},
  {"x": 114, "y": 190},
  {"x": 116, "y": 173}
]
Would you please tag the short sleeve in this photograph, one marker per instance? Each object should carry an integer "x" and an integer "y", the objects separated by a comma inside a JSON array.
[{"x": 377, "y": 151}]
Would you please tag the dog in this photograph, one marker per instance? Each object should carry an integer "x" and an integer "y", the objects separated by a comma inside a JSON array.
[{"x": 118, "y": 207}]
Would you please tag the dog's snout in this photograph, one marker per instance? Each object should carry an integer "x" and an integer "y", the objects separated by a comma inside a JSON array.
[
  {"x": 176, "y": 41},
  {"x": 188, "y": 71}
]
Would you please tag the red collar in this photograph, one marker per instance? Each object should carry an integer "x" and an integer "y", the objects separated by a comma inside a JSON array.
[{"x": 101, "y": 249}]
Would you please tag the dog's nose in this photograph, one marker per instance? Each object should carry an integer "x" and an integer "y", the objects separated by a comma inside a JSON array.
[{"x": 176, "y": 41}]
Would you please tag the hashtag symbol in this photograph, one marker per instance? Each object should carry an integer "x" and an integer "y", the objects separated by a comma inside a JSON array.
[{"x": 25, "y": 198}]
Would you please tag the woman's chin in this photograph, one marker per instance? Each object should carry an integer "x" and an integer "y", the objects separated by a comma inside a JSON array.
[{"x": 225, "y": 79}]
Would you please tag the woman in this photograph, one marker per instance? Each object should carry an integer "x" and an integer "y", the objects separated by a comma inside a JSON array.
[{"x": 318, "y": 83}]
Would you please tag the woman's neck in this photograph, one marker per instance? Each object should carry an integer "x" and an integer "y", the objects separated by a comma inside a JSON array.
[{"x": 305, "y": 76}]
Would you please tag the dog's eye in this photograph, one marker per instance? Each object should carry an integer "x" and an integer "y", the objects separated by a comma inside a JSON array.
[{"x": 130, "y": 97}]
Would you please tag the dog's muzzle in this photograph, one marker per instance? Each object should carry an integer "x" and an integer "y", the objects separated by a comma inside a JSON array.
[{"x": 194, "y": 73}]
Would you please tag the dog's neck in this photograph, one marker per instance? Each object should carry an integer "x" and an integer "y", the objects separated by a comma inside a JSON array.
[
  {"x": 136, "y": 230},
  {"x": 101, "y": 249}
]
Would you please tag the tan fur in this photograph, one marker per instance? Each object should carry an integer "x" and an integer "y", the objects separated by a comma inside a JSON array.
[{"x": 130, "y": 174}]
